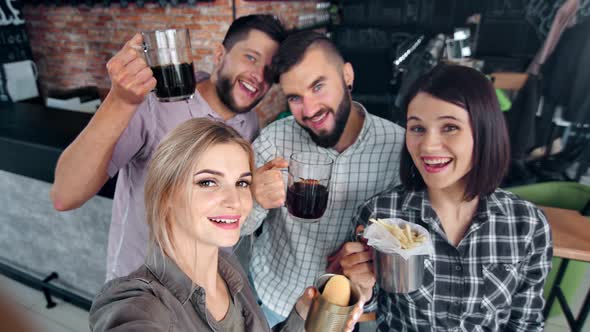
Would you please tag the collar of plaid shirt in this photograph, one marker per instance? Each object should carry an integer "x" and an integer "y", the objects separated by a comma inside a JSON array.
[{"x": 488, "y": 206}]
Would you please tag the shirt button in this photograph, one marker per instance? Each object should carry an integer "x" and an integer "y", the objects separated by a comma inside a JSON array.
[{"x": 458, "y": 267}]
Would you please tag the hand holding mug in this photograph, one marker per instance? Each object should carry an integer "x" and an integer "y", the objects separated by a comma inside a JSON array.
[
  {"x": 268, "y": 186},
  {"x": 131, "y": 77},
  {"x": 355, "y": 260}
]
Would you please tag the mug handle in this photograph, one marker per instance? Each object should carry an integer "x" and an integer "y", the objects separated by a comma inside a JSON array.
[
  {"x": 143, "y": 50},
  {"x": 360, "y": 233}
]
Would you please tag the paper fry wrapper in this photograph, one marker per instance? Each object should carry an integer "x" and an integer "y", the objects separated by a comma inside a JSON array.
[{"x": 380, "y": 238}]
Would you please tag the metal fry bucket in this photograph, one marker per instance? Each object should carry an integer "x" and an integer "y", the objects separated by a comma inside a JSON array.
[{"x": 396, "y": 274}]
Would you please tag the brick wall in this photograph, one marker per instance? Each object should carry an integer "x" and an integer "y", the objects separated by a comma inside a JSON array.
[{"x": 71, "y": 45}]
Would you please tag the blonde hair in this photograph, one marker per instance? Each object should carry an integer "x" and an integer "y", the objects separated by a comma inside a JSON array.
[{"x": 169, "y": 172}]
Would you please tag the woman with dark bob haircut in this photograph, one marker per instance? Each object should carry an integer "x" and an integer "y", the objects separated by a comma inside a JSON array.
[{"x": 492, "y": 250}]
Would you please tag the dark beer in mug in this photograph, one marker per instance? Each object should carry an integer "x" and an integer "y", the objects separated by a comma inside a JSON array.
[
  {"x": 307, "y": 199},
  {"x": 174, "y": 80},
  {"x": 309, "y": 180}
]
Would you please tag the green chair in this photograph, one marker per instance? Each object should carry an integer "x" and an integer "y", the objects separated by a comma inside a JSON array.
[{"x": 564, "y": 195}]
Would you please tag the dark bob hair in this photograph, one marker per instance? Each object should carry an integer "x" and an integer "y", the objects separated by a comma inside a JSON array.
[{"x": 472, "y": 91}]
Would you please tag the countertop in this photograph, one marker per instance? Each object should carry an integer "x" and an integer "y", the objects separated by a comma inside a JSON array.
[{"x": 33, "y": 136}]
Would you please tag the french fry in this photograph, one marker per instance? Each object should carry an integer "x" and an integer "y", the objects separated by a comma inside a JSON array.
[
  {"x": 407, "y": 238},
  {"x": 409, "y": 233}
]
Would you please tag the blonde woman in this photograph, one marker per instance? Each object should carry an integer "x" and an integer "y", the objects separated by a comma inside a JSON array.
[{"x": 197, "y": 196}]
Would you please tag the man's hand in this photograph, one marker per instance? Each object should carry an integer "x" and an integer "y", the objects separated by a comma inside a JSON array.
[
  {"x": 304, "y": 303},
  {"x": 355, "y": 260},
  {"x": 131, "y": 77},
  {"x": 268, "y": 186}
]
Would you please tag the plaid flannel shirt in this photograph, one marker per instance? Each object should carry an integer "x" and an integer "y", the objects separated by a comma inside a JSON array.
[
  {"x": 289, "y": 254},
  {"x": 492, "y": 281}
]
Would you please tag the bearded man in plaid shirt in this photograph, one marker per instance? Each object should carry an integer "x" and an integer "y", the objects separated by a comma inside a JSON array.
[{"x": 290, "y": 254}]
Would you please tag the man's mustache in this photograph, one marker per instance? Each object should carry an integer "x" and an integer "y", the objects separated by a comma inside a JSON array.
[{"x": 318, "y": 113}]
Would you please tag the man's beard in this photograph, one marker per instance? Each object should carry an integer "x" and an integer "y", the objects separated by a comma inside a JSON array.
[
  {"x": 224, "y": 90},
  {"x": 341, "y": 116}
]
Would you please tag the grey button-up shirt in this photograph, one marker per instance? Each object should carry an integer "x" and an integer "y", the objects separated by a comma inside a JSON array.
[
  {"x": 160, "y": 297},
  {"x": 128, "y": 234}
]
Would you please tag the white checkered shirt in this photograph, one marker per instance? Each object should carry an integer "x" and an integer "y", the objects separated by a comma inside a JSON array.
[
  {"x": 492, "y": 281},
  {"x": 289, "y": 255}
]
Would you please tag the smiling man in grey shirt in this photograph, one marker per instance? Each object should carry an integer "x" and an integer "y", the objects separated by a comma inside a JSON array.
[{"x": 131, "y": 122}]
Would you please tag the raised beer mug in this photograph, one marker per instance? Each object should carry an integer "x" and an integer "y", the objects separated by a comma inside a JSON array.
[{"x": 168, "y": 53}]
